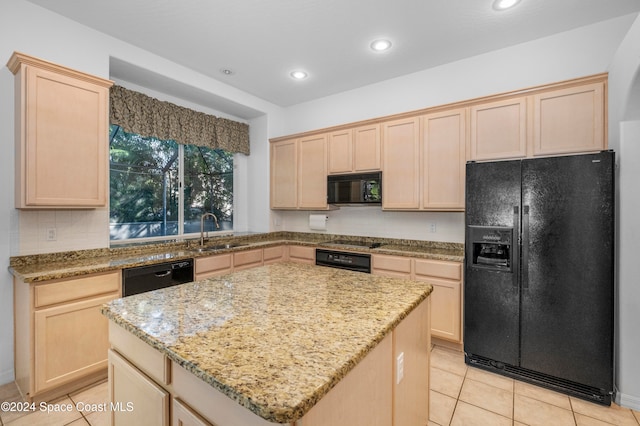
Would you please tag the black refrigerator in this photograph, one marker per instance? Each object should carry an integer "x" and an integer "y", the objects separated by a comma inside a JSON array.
[{"x": 539, "y": 264}]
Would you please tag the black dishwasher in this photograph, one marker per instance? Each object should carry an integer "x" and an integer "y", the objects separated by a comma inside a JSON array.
[{"x": 146, "y": 278}]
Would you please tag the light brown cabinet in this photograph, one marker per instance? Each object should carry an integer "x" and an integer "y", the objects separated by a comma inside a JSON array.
[
  {"x": 211, "y": 266},
  {"x": 302, "y": 254},
  {"x": 443, "y": 160},
  {"x": 284, "y": 174},
  {"x": 299, "y": 174},
  {"x": 499, "y": 129},
  {"x": 446, "y": 298},
  {"x": 143, "y": 401},
  {"x": 354, "y": 150},
  {"x": 61, "y": 135},
  {"x": 312, "y": 173},
  {"x": 247, "y": 259},
  {"x": 183, "y": 415},
  {"x": 401, "y": 159},
  {"x": 273, "y": 254},
  {"x": 61, "y": 336},
  {"x": 569, "y": 120}
]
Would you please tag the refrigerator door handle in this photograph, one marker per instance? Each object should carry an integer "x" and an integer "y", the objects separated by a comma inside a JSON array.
[
  {"x": 525, "y": 247},
  {"x": 515, "y": 245}
]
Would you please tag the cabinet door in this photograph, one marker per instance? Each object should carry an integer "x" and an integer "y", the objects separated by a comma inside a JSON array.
[
  {"x": 302, "y": 254},
  {"x": 247, "y": 259},
  {"x": 445, "y": 308},
  {"x": 340, "y": 150},
  {"x": 71, "y": 341},
  {"x": 499, "y": 130},
  {"x": 443, "y": 160},
  {"x": 211, "y": 266},
  {"x": 142, "y": 401},
  {"x": 401, "y": 174},
  {"x": 569, "y": 120},
  {"x": 183, "y": 415},
  {"x": 366, "y": 149},
  {"x": 312, "y": 172},
  {"x": 273, "y": 254},
  {"x": 284, "y": 174},
  {"x": 64, "y": 144},
  {"x": 391, "y": 266}
]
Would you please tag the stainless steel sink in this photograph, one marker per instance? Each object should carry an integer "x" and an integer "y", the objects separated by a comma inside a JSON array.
[{"x": 218, "y": 247}]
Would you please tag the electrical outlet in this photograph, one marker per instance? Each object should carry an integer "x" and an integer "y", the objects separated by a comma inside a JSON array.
[
  {"x": 433, "y": 228},
  {"x": 51, "y": 234},
  {"x": 399, "y": 368}
]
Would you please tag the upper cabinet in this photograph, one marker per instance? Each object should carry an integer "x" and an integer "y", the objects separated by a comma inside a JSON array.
[
  {"x": 401, "y": 158},
  {"x": 299, "y": 173},
  {"x": 499, "y": 130},
  {"x": 569, "y": 120},
  {"x": 443, "y": 160},
  {"x": 61, "y": 135},
  {"x": 354, "y": 150}
]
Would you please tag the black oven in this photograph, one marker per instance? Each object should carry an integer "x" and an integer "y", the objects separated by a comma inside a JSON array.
[{"x": 359, "y": 262}]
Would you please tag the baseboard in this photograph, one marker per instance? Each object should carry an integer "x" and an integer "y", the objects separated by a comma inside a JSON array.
[
  {"x": 7, "y": 376},
  {"x": 628, "y": 401}
]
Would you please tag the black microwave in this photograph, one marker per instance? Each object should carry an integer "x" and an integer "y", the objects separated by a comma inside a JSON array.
[{"x": 362, "y": 188}]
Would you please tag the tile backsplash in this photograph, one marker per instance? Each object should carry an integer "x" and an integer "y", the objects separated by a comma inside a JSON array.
[{"x": 46, "y": 231}]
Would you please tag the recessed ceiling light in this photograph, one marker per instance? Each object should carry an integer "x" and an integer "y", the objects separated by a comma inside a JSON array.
[
  {"x": 227, "y": 71},
  {"x": 504, "y": 4},
  {"x": 299, "y": 75},
  {"x": 380, "y": 45}
]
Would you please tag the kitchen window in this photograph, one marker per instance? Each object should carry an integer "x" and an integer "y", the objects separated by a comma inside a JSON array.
[{"x": 160, "y": 188}]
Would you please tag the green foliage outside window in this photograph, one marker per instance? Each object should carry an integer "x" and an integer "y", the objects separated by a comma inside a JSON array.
[{"x": 145, "y": 186}]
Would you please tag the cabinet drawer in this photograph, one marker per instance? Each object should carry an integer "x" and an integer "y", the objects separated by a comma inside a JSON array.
[
  {"x": 76, "y": 288},
  {"x": 249, "y": 257},
  {"x": 273, "y": 254},
  {"x": 302, "y": 254},
  {"x": 392, "y": 263},
  {"x": 152, "y": 362},
  {"x": 220, "y": 262},
  {"x": 438, "y": 268}
]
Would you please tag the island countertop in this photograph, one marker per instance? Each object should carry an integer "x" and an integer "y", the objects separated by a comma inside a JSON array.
[{"x": 275, "y": 338}]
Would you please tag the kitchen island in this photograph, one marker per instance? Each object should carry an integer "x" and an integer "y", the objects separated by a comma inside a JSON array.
[{"x": 286, "y": 343}]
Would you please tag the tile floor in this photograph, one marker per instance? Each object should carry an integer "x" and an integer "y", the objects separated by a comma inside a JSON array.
[
  {"x": 462, "y": 395},
  {"x": 459, "y": 396}
]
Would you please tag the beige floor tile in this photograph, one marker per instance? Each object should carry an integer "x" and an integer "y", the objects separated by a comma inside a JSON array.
[
  {"x": 9, "y": 391},
  {"x": 42, "y": 418},
  {"x": 88, "y": 400},
  {"x": 488, "y": 397},
  {"x": 614, "y": 414},
  {"x": 445, "y": 382},
  {"x": 533, "y": 412},
  {"x": 492, "y": 379},
  {"x": 99, "y": 418},
  {"x": 13, "y": 415},
  {"x": 441, "y": 408},
  {"x": 582, "y": 420},
  {"x": 470, "y": 415},
  {"x": 637, "y": 414},
  {"x": 448, "y": 360},
  {"x": 80, "y": 422},
  {"x": 542, "y": 394}
]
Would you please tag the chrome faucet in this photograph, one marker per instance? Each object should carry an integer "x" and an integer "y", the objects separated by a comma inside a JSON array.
[{"x": 202, "y": 218}]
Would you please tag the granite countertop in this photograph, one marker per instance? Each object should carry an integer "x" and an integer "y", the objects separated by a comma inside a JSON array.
[
  {"x": 275, "y": 338},
  {"x": 44, "y": 267}
]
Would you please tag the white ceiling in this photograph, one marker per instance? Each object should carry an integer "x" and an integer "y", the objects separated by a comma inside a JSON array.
[{"x": 262, "y": 41}]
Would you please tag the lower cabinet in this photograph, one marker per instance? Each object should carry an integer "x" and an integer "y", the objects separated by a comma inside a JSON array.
[
  {"x": 61, "y": 338},
  {"x": 273, "y": 254},
  {"x": 302, "y": 254},
  {"x": 183, "y": 415},
  {"x": 247, "y": 259},
  {"x": 137, "y": 399},
  {"x": 211, "y": 266},
  {"x": 446, "y": 298}
]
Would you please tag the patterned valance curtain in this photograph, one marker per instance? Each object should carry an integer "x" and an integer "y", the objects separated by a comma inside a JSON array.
[{"x": 139, "y": 113}]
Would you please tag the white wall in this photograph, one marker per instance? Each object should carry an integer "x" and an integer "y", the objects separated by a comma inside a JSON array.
[{"x": 624, "y": 137}]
